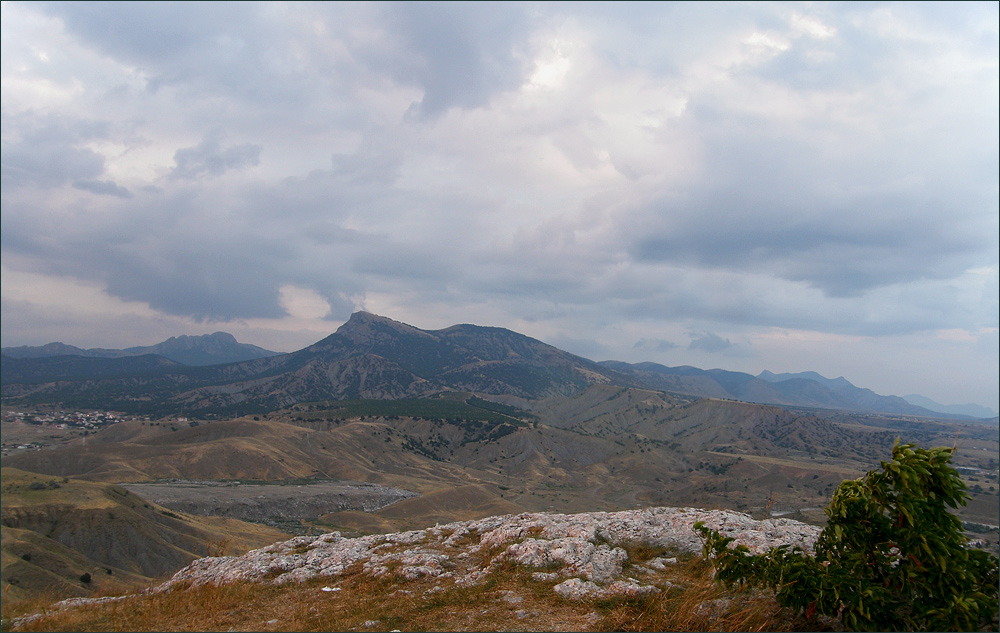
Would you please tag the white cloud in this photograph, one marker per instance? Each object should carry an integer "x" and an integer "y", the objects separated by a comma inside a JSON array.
[
  {"x": 302, "y": 303},
  {"x": 811, "y": 26}
]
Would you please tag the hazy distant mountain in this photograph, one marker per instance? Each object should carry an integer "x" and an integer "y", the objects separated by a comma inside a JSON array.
[
  {"x": 971, "y": 410},
  {"x": 833, "y": 384},
  {"x": 806, "y": 389},
  {"x": 207, "y": 349},
  {"x": 866, "y": 399}
]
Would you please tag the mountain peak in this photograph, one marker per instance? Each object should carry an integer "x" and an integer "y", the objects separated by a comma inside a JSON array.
[
  {"x": 361, "y": 316},
  {"x": 366, "y": 324}
]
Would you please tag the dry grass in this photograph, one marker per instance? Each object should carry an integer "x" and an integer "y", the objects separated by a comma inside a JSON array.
[
  {"x": 507, "y": 599},
  {"x": 360, "y": 603},
  {"x": 698, "y": 603}
]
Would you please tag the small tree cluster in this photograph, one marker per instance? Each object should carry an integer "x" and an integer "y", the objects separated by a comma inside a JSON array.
[{"x": 892, "y": 556}]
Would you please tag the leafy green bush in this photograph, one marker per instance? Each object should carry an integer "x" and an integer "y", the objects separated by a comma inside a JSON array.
[{"x": 892, "y": 556}]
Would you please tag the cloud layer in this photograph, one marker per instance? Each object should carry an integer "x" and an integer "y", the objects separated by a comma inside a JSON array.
[{"x": 683, "y": 183}]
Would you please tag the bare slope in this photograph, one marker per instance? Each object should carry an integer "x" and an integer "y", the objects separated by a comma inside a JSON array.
[
  {"x": 603, "y": 448},
  {"x": 74, "y": 537}
]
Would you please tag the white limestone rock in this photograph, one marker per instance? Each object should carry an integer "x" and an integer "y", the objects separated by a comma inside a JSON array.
[{"x": 585, "y": 548}]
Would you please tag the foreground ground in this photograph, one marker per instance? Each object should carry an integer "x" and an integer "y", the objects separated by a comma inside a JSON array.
[
  {"x": 508, "y": 600},
  {"x": 633, "y": 570}
]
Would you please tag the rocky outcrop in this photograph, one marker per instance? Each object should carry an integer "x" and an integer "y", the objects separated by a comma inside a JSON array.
[
  {"x": 588, "y": 551},
  {"x": 586, "y": 556}
]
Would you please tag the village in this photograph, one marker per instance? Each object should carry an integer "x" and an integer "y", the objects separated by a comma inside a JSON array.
[{"x": 32, "y": 430}]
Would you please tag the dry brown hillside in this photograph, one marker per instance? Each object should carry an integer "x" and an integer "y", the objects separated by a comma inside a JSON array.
[{"x": 67, "y": 537}]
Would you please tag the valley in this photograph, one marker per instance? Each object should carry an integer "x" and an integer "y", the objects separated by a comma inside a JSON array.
[
  {"x": 464, "y": 457},
  {"x": 284, "y": 505},
  {"x": 69, "y": 537}
]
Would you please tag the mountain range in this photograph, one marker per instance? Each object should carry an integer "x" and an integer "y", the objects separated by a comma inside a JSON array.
[
  {"x": 207, "y": 349},
  {"x": 373, "y": 357}
]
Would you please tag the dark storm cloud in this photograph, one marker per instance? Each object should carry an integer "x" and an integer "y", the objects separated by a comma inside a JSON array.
[
  {"x": 197, "y": 283},
  {"x": 800, "y": 218},
  {"x": 211, "y": 159},
  {"x": 172, "y": 42},
  {"x": 103, "y": 188},
  {"x": 842, "y": 259},
  {"x": 45, "y": 151},
  {"x": 228, "y": 266},
  {"x": 460, "y": 54},
  {"x": 143, "y": 32},
  {"x": 166, "y": 252}
]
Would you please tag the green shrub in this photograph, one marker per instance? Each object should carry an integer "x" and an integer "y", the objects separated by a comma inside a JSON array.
[{"x": 892, "y": 556}]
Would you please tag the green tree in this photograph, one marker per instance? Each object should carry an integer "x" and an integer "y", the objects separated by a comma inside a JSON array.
[{"x": 892, "y": 556}]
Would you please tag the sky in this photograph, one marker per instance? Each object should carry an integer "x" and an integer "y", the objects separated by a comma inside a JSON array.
[{"x": 781, "y": 186}]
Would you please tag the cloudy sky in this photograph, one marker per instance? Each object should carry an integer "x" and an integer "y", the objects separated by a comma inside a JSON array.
[{"x": 747, "y": 186}]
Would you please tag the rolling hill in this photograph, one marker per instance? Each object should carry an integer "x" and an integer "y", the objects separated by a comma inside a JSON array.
[{"x": 606, "y": 447}]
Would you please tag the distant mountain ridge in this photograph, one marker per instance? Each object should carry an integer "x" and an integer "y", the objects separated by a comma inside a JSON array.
[
  {"x": 842, "y": 386},
  {"x": 804, "y": 389},
  {"x": 969, "y": 409},
  {"x": 207, "y": 349},
  {"x": 374, "y": 357}
]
